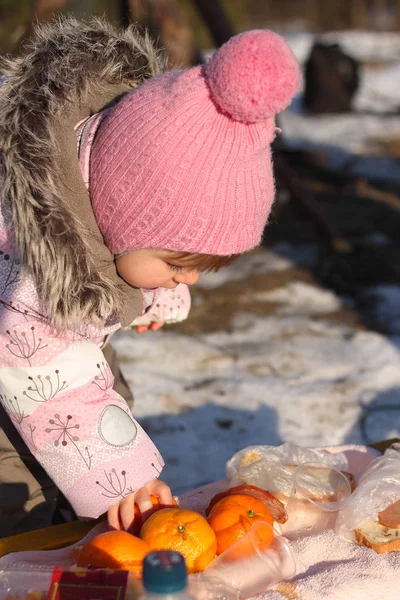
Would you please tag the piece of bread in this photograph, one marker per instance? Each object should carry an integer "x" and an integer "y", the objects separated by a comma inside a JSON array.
[{"x": 378, "y": 537}]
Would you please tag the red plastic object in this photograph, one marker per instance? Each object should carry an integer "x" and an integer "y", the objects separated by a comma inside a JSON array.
[{"x": 95, "y": 584}]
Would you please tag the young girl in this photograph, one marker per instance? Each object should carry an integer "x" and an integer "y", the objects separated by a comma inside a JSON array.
[{"x": 115, "y": 197}]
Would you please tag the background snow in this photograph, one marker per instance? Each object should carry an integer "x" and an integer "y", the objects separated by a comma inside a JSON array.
[
  {"x": 287, "y": 377},
  {"x": 344, "y": 137}
]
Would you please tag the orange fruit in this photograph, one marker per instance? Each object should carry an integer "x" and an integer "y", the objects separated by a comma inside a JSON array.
[
  {"x": 114, "y": 550},
  {"x": 262, "y": 539},
  {"x": 184, "y": 531},
  {"x": 138, "y": 522},
  {"x": 275, "y": 506},
  {"x": 233, "y": 516}
]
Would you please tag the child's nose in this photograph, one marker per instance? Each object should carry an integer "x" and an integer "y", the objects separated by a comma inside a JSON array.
[{"x": 187, "y": 277}]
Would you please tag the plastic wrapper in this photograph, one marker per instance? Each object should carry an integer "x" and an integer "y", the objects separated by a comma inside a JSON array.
[
  {"x": 207, "y": 587},
  {"x": 254, "y": 562},
  {"x": 389, "y": 459},
  {"x": 272, "y": 467},
  {"x": 25, "y": 583},
  {"x": 378, "y": 488}
]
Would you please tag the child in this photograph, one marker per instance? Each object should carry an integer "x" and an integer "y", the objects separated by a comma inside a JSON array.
[{"x": 174, "y": 177}]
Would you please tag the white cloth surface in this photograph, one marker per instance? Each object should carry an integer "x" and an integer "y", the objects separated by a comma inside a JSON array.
[{"x": 328, "y": 568}]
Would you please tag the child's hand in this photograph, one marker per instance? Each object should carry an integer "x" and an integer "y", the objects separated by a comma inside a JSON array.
[
  {"x": 122, "y": 515},
  {"x": 153, "y": 327}
]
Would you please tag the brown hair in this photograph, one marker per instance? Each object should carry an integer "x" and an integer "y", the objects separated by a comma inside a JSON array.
[{"x": 203, "y": 262}]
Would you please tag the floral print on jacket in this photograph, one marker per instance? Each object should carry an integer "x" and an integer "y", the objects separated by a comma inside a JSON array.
[{"x": 57, "y": 389}]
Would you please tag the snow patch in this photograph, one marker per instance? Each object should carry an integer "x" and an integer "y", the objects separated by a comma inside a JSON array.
[
  {"x": 260, "y": 262},
  {"x": 267, "y": 381},
  {"x": 300, "y": 298}
]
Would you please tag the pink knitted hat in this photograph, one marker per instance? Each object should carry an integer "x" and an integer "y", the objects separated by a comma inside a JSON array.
[{"x": 183, "y": 162}]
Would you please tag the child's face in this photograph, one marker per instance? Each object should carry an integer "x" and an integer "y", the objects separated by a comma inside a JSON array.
[{"x": 151, "y": 268}]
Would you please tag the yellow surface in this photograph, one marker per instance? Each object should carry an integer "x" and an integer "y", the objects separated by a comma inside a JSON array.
[{"x": 49, "y": 538}]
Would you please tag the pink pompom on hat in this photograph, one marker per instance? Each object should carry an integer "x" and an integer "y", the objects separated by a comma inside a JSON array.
[{"x": 183, "y": 162}]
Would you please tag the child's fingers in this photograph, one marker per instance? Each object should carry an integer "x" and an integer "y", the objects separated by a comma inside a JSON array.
[
  {"x": 143, "y": 501},
  {"x": 113, "y": 518},
  {"x": 161, "y": 490},
  {"x": 127, "y": 512},
  {"x": 122, "y": 515},
  {"x": 141, "y": 328},
  {"x": 153, "y": 327}
]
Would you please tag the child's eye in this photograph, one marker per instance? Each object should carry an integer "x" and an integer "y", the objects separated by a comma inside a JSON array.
[{"x": 175, "y": 267}]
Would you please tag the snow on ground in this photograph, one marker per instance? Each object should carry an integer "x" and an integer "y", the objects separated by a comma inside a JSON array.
[
  {"x": 386, "y": 301},
  {"x": 287, "y": 377},
  {"x": 351, "y": 141}
]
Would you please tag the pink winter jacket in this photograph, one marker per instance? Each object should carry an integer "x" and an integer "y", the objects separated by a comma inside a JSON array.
[{"x": 56, "y": 386}]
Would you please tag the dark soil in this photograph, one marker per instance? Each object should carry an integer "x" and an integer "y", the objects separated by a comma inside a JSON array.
[{"x": 359, "y": 211}]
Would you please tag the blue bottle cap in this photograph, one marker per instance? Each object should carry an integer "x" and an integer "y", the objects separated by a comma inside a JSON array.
[{"x": 164, "y": 572}]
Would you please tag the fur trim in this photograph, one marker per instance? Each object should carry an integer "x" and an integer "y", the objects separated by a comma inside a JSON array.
[{"x": 67, "y": 68}]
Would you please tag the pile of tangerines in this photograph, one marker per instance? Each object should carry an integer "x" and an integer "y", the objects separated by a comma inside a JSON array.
[{"x": 230, "y": 515}]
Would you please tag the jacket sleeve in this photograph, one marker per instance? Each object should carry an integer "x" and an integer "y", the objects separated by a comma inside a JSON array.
[
  {"x": 58, "y": 392},
  {"x": 162, "y": 304}
]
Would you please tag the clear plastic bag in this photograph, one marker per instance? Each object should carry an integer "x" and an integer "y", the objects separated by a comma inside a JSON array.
[
  {"x": 203, "y": 586},
  {"x": 24, "y": 582},
  {"x": 272, "y": 467},
  {"x": 378, "y": 488},
  {"x": 38, "y": 582}
]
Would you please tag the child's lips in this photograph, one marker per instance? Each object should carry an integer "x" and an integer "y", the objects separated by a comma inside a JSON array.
[{"x": 166, "y": 287}]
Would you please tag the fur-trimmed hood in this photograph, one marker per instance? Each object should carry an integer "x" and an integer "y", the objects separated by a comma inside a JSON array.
[{"x": 71, "y": 70}]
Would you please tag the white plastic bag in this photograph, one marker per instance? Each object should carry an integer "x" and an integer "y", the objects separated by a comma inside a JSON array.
[
  {"x": 272, "y": 467},
  {"x": 378, "y": 488}
]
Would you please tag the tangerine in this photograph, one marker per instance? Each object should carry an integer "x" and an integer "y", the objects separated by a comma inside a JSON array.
[
  {"x": 275, "y": 506},
  {"x": 184, "y": 531},
  {"x": 233, "y": 516},
  {"x": 114, "y": 550},
  {"x": 138, "y": 518}
]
